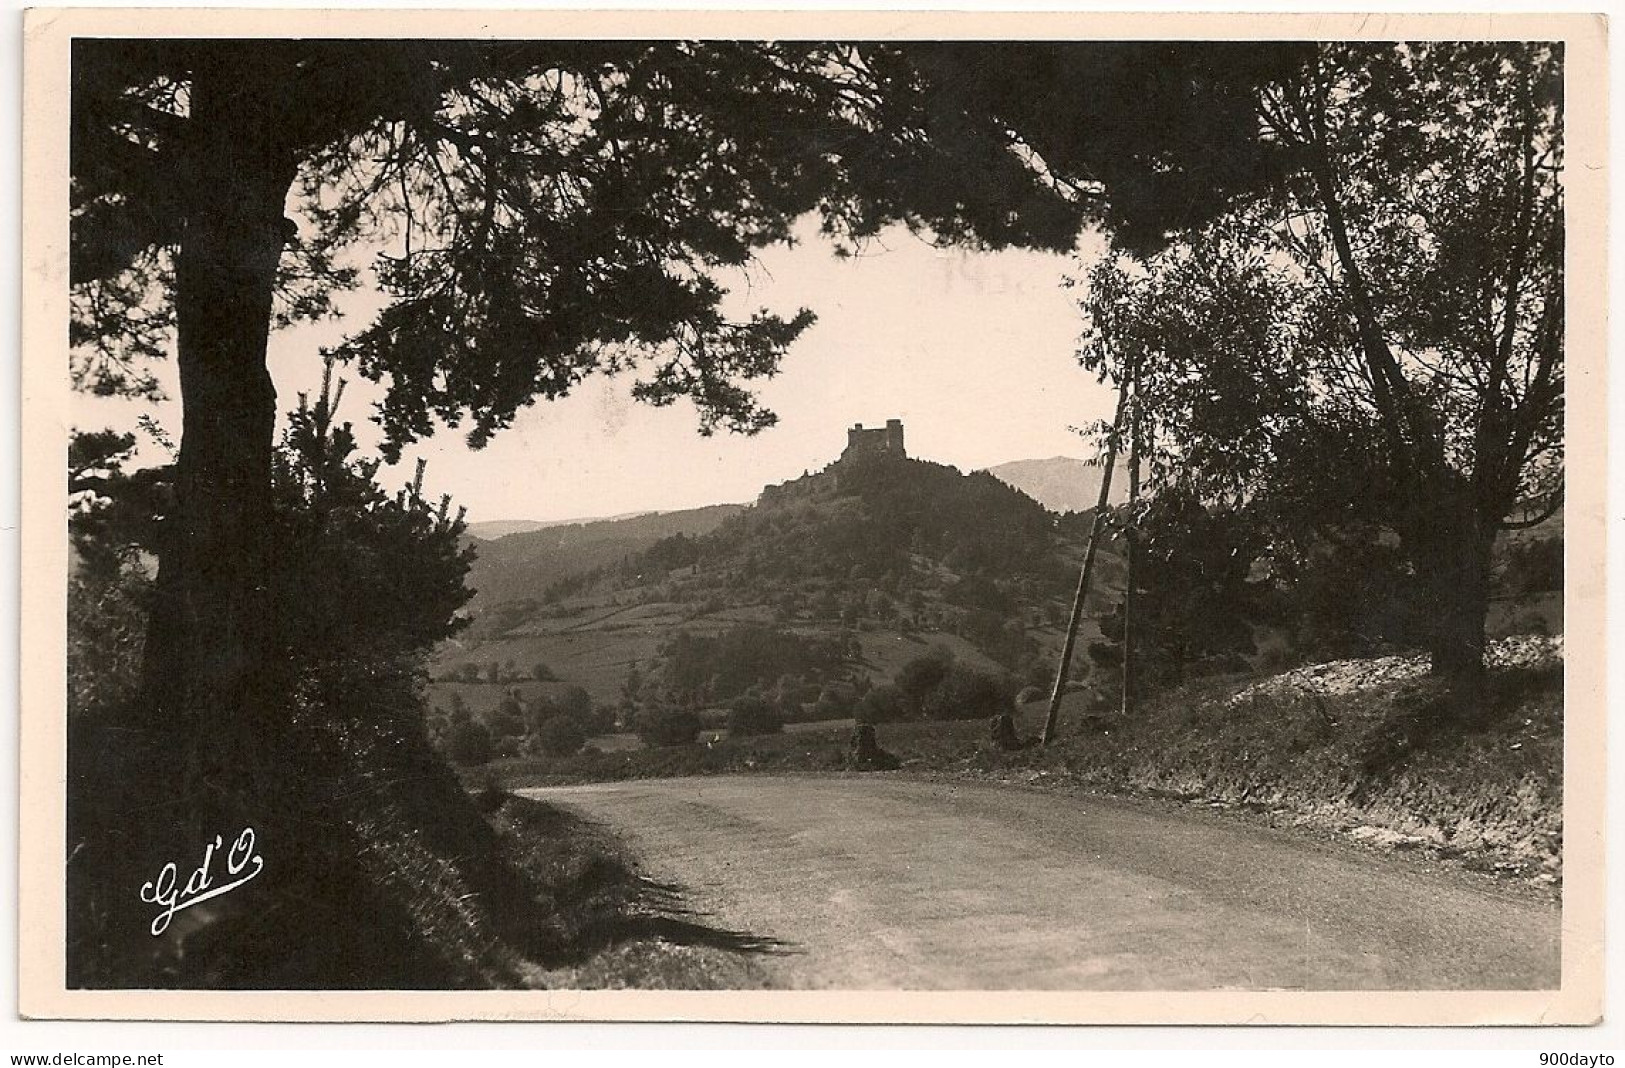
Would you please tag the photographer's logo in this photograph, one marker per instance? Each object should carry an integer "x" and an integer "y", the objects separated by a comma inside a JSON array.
[{"x": 242, "y": 864}]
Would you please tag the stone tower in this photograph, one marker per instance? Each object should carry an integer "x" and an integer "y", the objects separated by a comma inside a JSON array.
[{"x": 884, "y": 441}]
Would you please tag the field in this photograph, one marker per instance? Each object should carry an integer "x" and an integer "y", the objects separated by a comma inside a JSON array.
[{"x": 598, "y": 649}]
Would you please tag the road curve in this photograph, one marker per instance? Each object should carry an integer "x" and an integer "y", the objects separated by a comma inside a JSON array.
[{"x": 891, "y": 883}]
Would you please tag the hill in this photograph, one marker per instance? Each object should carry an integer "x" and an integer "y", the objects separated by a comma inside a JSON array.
[
  {"x": 882, "y": 560},
  {"x": 518, "y": 567},
  {"x": 1062, "y": 483}
]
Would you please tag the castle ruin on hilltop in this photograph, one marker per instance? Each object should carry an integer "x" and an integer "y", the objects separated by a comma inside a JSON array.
[
  {"x": 886, "y": 441},
  {"x": 863, "y": 444}
]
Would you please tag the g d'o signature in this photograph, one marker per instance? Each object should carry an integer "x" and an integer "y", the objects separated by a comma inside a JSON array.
[{"x": 200, "y": 886}]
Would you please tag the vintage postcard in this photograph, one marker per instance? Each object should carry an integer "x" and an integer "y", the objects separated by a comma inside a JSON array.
[{"x": 789, "y": 516}]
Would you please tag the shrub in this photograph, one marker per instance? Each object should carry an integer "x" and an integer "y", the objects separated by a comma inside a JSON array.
[
  {"x": 920, "y": 676},
  {"x": 468, "y": 743},
  {"x": 575, "y": 701},
  {"x": 507, "y": 720},
  {"x": 560, "y": 736},
  {"x": 883, "y": 704},
  {"x": 752, "y": 714},
  {"x": 664, "y": 725},
  {"x": 836, "y": 701},
  {"x": 1533, "y": 566},
  {"x": 542, "y": 673},
  {"x": 1273, "y": 659},
  {"x": 107, "y": 620},
  {"x": 965, "y": 693},
  {"x": 796, "y": 691},
  {"x": 1104, "y": 696},
  {"x": 790, "y": 710},
  {"x": 724, "y": 665},
  {"x": 1528, "y": 621}
]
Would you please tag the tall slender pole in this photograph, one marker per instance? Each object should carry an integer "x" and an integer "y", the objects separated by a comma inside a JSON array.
[
  {"x": 1133, "y": 536},
  {"x": 1088, "y": 568}
]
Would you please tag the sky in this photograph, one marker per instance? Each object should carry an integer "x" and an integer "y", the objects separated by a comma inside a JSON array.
[{"x": 973, "y": 351}]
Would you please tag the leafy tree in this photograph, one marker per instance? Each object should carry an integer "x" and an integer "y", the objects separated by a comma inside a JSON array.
[
  {"x": 916, "y": 679},
  {"x": 575, "y": 702},
  {"x": 1153, "y": 137},
  {"x": 752, "y": 714},
  {"x": 1377, "y": 336},
  {"x": 1195, "y": 599},
  {"x": 631, "y": 688},
  {"x": 721, "y": 666},
  {"x": 1350, "y": 591},
  {"x": 966, "y": 693},
  {"x": 836, "y": 701},
  {"x": 1532, "y": 566},
  {"x": 469, "y": 743},
  {"x": 111, "y": 528},
  {"x": 542, "y": 673},
  {"x": 659, "y": 723},
  {"x": 560, "y": 736},
  {"x": 508, "y": 720},
  {"x": 883, "y": 704}
]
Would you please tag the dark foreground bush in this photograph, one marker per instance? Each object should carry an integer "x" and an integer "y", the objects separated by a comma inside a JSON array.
[
  {"x": 385, "y": 875},
  {"x": 752, "y": 715},
  {"x": 381, "y": 872}
]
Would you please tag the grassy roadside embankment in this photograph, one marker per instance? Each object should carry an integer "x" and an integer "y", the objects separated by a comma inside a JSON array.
[
  {"x": 386, "y": 873},
  {"x": 1375, "y": 759}
]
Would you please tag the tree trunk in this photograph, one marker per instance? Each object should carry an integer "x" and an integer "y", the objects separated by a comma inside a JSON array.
[
  {"x": 208, "y": 640},
  {"x": 1454, "y": 552}
]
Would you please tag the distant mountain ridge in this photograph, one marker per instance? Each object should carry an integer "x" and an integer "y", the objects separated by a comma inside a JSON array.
[
  {"x": 1062, "y": 483},
  {"x": 522, "y": 563},
  {"x": 492, "y": 529}
]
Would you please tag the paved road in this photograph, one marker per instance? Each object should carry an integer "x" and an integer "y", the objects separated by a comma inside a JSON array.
[{"x": 891, "y": 883}]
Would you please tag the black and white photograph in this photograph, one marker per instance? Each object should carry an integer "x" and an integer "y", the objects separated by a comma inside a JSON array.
[{"x": 848, "y": 518}]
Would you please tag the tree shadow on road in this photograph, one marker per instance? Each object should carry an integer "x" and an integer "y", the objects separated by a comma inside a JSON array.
[
  {"x": 658, "y": 911},
  {"x": 580, "y": 893}
]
